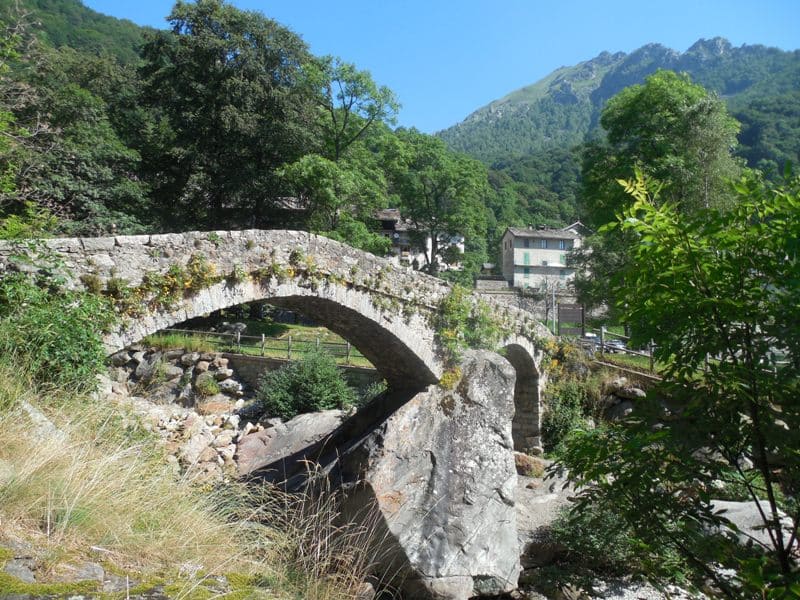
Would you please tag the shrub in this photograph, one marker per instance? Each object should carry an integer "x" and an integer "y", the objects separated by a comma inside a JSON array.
[
  {"x": 308, "y": 385},
  {"x": 563, "y": 412},
  {"x": 597, "y": 539},
  {"x": 461, "y": 323},
  {"x": 207, "y": 386},
  {"x": 55, "y": 333},
  {"x": 371, "y": 392}
]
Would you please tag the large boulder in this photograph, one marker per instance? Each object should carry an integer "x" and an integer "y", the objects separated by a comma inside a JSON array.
[
  {"x": 747, "y": 520},
  {"x": 262, "y": 448},
  {"x": 440, "y": 474}
]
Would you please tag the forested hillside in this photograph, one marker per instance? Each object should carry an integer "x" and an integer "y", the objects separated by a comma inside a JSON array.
[
  {"x": 69, "y": 23},
  {"x": 760, "y": 85}
]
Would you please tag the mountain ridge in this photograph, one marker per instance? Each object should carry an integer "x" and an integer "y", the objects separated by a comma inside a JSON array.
[{"x": 563, "y": 108}]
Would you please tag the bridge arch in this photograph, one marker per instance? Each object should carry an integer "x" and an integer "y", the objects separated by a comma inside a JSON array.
[
  {"x": 527, "y": 422},
  {"x": 399, "y": 347}
]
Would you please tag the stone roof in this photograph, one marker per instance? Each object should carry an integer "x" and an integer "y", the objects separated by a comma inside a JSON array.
[
  {"x": 388, "y": 214},
  {"x": 547, "y": 234}
]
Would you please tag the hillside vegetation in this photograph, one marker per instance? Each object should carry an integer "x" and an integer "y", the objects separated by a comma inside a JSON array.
[
  {"x": 69, "y": 23},
  {"x": 761, "y": 85}
]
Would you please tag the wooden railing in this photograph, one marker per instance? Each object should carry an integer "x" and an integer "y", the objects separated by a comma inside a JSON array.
[{"x": 287, "y": 347}]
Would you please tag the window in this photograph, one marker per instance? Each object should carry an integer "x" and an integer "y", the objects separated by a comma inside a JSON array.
[
  {"x": 544, "y": 263},
  {"x": 526, "y": 271},
  {"x": 526, "y": 242},
  {"x": 563, "y": 259},
  {"x": 562, "y": 244},
  {"x": 562, "y": 273},
  {"x": 543, "y": 243}
]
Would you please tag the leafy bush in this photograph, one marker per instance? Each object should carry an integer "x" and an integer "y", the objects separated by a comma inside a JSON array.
[
  {"x": 308, "y": 385},
  {"x": 207, "y": 387},
  {"x": 597, "y": 539},
  {"x": 54, "y": 333},
  {"x": 563, "y": 411},
  {"x": 371, "y": 392},
  {"x": 462, "y": 323}
]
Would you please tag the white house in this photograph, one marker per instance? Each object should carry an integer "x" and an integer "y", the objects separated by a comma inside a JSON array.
[
  {"x": 537, "y": 257},
  {"x": 407, "y": 244}
]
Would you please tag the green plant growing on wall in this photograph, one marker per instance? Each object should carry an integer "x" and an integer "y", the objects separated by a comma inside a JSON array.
[
  {"x": 92, "y": 283},
  {"x": 237, "y": 274},
  {"x": 200, "y": 273},
  {"x": 462, "y": 322},
  {"x": 297, "y": 257}
]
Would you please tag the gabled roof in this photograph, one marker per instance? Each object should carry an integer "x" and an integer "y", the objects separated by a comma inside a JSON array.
[
  {"x": 539, "y": 234},
  {"x": 579, "y": 227}
]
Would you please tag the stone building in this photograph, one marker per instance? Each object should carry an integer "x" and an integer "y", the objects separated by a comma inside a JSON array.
[{"x": 537, "y": 257}]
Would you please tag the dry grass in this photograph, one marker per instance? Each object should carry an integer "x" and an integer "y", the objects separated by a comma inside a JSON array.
[{"x": 102, "y": 482}]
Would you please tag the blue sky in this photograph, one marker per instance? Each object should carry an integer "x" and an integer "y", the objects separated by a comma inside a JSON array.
[{"x": 447, "y": 59}]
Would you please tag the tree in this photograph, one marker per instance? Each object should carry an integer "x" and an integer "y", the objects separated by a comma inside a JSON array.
[
  {"x": 78, "y": 167},
  {"x": 14, "y": 136},
  {"x": 675, "y": 132},
  {"x": 440, "y": 192},
  {"x": 719, "y": 292},
  {"x": 234, "y": 107},
  {"x": 351, "y": 102},
  {"x": 341, "y": 196},
  {"x": 671, "y": 130}
]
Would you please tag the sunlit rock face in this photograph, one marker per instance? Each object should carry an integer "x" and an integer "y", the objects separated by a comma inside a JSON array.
[{"x": 440, "y": 475}]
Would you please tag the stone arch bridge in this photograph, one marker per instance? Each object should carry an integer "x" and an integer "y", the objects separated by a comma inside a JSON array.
[{"x": 385, "y": 311}]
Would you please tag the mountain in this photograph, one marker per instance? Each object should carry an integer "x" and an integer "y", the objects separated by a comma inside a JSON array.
[
  {"x": 70, "y": 23},
  {"x": 563, "y": 109}
]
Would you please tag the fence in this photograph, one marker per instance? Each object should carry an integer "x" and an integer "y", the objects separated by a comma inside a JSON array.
[
  {"x": 611, "y": 343},
  {"x": 286, "y": 347}
]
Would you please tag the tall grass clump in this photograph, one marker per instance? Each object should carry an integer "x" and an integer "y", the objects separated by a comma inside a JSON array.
[
  {"x": 172, "y": 341},
  {"x": 77, "y": 473},
  {"x": 325, "y": 554},
  {"x": 102, "y": 482}
]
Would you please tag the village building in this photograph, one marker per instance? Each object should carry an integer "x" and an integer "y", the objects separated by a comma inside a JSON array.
[
  {"x": 537, "y": 257},
  {"x": 410, "y": 246}
]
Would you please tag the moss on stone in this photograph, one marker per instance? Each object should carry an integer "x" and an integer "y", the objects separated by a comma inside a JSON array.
[{"x": 11, "y": 585}]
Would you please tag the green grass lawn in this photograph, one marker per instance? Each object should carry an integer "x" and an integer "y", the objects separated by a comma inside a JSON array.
[
  {"x": 632, "y": 361},
  {"x": 298, "y": 332},
  {"x": 303, "y": 340}
]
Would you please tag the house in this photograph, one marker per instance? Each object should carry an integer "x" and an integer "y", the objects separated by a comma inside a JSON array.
[
  {"x": 536, "y": 257},
  {"x": 410, "y": 246}
]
